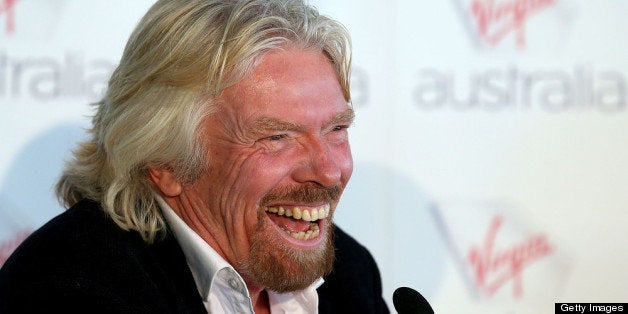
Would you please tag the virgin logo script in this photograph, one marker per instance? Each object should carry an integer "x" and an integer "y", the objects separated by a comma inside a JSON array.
[
  {"x": 495, "y": 19},
  {"x": 493, "y": 267},
  {"x": 7, "y": 8}
]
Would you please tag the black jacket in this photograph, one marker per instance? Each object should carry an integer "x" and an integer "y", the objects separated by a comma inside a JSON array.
[{"x": 82, "y": 262}]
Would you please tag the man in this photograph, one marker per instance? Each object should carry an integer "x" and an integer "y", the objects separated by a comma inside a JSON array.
[{"x": 217, "y": 158}]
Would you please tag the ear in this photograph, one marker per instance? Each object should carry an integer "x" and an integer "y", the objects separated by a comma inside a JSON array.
[{"x": 165, "y": 180}]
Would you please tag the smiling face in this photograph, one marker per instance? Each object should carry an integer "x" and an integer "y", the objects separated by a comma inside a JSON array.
[{"x": 279, "y": 158}]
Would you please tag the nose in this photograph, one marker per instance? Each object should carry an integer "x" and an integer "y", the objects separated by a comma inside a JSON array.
[{"x": 321, "y": 164}]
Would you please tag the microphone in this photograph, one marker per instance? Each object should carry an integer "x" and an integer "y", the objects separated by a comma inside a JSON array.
[{"x": 409, "y": 301}]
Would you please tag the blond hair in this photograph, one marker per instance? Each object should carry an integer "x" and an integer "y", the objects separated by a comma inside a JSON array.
[{"x": 178, "y": 59}]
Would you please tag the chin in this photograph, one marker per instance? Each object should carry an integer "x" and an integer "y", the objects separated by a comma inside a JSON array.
[{"x": 282, "y": 263}]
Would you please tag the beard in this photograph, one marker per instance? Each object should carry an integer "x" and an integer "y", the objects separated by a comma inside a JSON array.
[
  {"x": 281, "y": 268},
  {"x": 276, "y": 265}
]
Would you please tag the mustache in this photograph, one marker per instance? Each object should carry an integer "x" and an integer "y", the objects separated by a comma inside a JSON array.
[{"x": 309, "y": 193}]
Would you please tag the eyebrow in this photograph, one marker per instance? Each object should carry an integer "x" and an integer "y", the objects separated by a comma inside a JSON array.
[
  {"x": 346, "y": 116},
  {"x": 265, "y": 124}
]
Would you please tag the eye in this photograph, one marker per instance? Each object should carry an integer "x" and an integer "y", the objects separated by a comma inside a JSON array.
[
  {"x": 338, "y": 133},
  {"x": 276, "y": 137},
  {"x": 339, "y": 128}
]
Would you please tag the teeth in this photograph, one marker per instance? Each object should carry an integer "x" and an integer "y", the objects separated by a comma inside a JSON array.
[
  {"x": 313, "y": 214},
  {"x": 311, "y": 233},
  {"x": 296, "y": 213},
  {"x": 306, "y": 215}
]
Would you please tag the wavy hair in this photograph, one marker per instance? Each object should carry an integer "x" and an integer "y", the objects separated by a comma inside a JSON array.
[{"x": 179, "y": 58}]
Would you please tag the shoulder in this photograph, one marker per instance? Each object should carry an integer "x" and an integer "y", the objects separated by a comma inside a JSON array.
[
  {"x": 80, "y": 241},
  {"x": 82, "y": 232},
  {"x": 354, "y": 283},
  {"x": 83, "y": 259}
]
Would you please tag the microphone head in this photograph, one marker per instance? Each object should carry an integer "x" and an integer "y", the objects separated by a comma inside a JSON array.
[{"x": 409, "y": 301}]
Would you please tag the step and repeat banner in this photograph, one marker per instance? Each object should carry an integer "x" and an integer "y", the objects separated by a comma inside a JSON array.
[{"x": 490, "y": 145}]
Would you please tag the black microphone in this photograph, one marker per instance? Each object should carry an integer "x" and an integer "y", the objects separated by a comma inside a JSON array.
[{"x": 409, "y": 301}]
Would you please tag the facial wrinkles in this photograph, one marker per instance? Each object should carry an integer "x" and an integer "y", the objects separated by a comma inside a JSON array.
[
  {"x": 232, "y": 199},
  {"x": 252, "y": 171},
  {"x": 226, "y": 185},
  {"x": 230, "y": 171},
  {"x": 241, "y": 130},
  {"x": 209, "y": 226},
  {"x": 234, "y": 131}
]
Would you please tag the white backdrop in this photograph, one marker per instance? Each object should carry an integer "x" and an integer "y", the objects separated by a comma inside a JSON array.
[{"x": 491, "y": 165}]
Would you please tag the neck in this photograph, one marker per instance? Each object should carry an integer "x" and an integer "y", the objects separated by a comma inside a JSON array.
[{"x": 259, "y": 299}]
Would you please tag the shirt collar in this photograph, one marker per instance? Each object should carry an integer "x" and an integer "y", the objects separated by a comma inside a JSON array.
[
  {"x": 216, "y": 279},
  {"x": 203, "y": 260}
]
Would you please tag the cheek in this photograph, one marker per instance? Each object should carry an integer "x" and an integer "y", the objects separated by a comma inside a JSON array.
[
  {"x": 258, "y": 175},
  {"x": 234, "y": 190},
  {"x": 269, "y": 170}
]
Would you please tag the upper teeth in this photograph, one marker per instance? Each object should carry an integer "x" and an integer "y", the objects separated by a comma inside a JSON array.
[{"x": 304, "y": 214}]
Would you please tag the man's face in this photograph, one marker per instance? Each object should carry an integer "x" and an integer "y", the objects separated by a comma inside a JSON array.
[{"x": 279, "y": 158}]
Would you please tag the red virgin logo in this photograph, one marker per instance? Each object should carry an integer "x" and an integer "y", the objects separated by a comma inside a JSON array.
[
  {"x": 496, "y": 19},
  {"x": 493, "y": 267},
  {"x": 7, "y": 8}
]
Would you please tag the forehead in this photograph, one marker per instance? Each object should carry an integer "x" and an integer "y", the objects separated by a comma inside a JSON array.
[{"x": 288, "y": 82}]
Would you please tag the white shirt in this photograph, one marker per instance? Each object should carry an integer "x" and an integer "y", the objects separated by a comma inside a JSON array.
[{"x": 223, "y": 290}]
